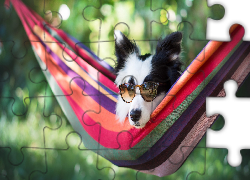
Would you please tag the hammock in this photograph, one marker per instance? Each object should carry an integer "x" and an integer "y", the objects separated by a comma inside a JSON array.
[{"x": 84, "y": 87}]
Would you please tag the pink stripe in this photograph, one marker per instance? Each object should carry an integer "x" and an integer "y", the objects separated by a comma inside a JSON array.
[
  {"x": 32, "y": 20},
  {"x": 86, "y": 56},
  {"x": 106, "y": 138},
  {"x": 103, "y": 79},
  {"x": 18, "y": 6},
  {"x": 92, "y": 71}
]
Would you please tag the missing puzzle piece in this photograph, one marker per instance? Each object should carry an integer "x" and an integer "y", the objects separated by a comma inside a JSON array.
[
  {"x": 235, "y": 13},
  {"x": 235, "y": 111}
]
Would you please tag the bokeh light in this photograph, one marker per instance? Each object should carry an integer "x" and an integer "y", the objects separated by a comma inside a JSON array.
[{"x": 64, "y": 11}]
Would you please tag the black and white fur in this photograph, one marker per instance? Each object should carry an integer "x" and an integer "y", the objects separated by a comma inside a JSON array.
[{"x": 132, "y": 67}]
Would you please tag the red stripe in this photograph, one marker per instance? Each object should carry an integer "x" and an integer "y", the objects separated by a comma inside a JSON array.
[
  {"x": 109, "y": 139},
  {"x": 31, "y": 18},
  {"x": 197, "y": 79},
  {"x": 85, "y": 56},
  {"x": 105, "y": 137}
]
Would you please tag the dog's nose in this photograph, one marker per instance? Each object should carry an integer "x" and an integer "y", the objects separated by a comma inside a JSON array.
[{"x": 135, "y": 115}]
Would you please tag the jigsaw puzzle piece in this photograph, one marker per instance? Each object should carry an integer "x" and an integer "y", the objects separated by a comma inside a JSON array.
[
  {"x": 59, "y": 128},
  {"x": 8, "y": 20},
  {"x": 20, "y": 132},
  {"x": 200, "y": 77},
  {"x": 33, "y": 160},
  {"x": 61, "y": 68},
  {"x": 224, "y": 138},
  {"x": 81, "y": 166},
  {"x": 216, "y": 167},
  {"x": 91, "y": 17},
  {"x": 15, "y": 95},
  {"x": 71, "y": 88},
  {"x": 235, "y": 13},
  {"x": 52, "y": 13},
  {"x": 240, "y": 75},
  {"x": 70, "y": 12},
  {"x": 190, "y": 165},
  {"x": 76, "y": 108},
  {"x": 200, "y": 22},
  {"x": 61, "y": 144},
  {"x": 16, "y": 151},
  {"x": 219, "y": 167},
  {"x": 11, "y": 26},
  {"x": 5, "y": 72},
  {"x": 182, "y": 11},
  {"x": 124, "y": 20},
  {"x": 16, "y": 142},
  {"x": 189, "y": 54},
  {"x": 17, "y": 65}
]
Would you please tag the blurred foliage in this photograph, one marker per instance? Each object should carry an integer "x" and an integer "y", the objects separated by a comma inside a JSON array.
[{"x": 27, "y": 116}]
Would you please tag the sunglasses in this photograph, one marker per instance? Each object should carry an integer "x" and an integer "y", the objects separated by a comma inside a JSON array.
[{"x": 148, "y": 91}]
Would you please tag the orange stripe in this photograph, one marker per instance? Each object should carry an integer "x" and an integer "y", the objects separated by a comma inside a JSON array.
[
  {"x": 192, "y": 69},
  {"x": 53, "y": 45},
  {"x": 106, "y": 118}
]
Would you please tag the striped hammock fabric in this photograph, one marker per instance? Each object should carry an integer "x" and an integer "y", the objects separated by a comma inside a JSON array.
[{"x": 84, "y": 87}]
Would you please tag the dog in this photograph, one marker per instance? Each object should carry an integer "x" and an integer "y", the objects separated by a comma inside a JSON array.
[{"x": 144, "y": 80}]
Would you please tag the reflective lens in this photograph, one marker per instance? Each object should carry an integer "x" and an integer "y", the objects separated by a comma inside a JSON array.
[
  {"x": 127, "y": 92},
  {"x": 148, "y": 91}
]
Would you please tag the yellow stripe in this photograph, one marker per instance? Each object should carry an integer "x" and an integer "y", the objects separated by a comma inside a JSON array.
[{"x": 55, "y": 48}]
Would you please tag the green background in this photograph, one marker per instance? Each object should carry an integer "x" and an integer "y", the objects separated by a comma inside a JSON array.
[{"x": 30, "y": 117}]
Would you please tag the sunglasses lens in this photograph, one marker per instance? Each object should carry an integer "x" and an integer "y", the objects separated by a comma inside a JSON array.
[
  {"x": 149, "y": 91},
  {"x": 127, "y": 92}
]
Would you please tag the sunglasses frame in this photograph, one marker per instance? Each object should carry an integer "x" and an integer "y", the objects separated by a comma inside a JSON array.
[{"x": 140, "y": 88}]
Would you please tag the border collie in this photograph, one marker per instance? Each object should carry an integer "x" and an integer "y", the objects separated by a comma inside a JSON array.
[{"x": 144, "y": 80}]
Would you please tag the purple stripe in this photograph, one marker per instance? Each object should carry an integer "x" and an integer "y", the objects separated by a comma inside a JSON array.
[
  {"x": 101, "y": 65},
  {"x": 89, "y": 90},
  {"x": 96, "y": 58},
  {"x": 167, "y": 139},
  {"x": 110, "y": 92}
]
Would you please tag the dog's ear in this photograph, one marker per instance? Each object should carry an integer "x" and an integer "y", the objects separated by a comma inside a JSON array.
[
  {"x": 166, "y": 61},
  {"x": 169, "y": 48},
  {"x": 123, "y": 48}
]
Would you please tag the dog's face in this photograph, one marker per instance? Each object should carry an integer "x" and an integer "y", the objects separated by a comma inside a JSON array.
[{"x": 135, "y": 69}]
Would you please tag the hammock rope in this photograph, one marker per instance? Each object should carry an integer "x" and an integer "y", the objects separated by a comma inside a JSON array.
[{"x": 84, "y": 87}]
